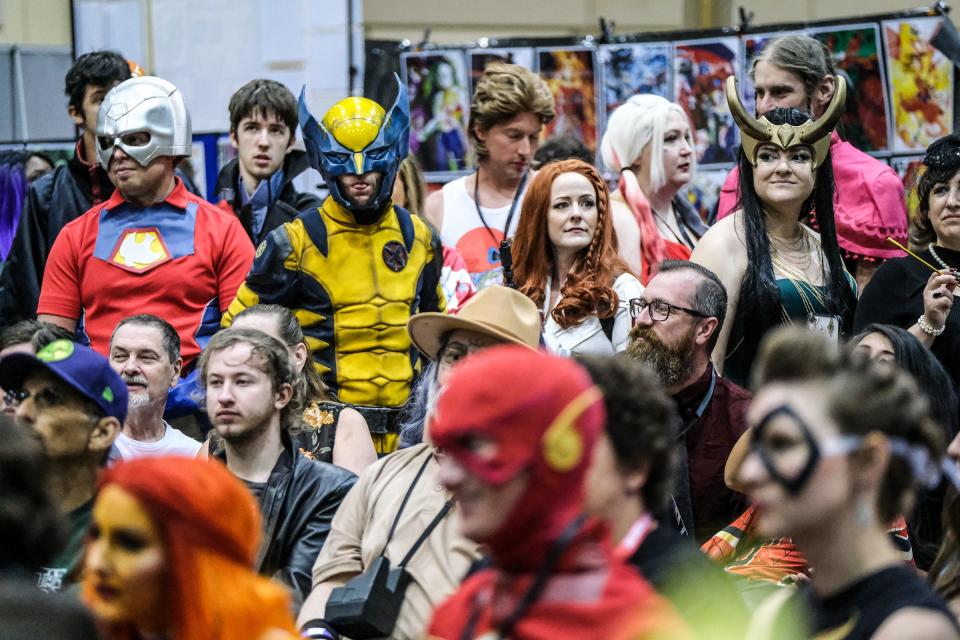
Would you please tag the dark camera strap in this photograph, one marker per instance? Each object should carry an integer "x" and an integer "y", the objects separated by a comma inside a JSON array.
[
  {"x": 513, "y": 205},
  {"x": 426, "y": 532},
  {"x": 430, "y": 527}
]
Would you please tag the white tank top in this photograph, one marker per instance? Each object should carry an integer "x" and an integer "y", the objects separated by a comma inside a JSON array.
[{"x": 464, "y": 230}]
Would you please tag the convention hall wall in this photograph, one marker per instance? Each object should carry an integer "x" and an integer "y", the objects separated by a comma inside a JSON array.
[{"x": 47, "y": 22}]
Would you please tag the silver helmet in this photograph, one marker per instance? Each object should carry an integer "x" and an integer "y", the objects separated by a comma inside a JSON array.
[{"x": 144, "y": 105}]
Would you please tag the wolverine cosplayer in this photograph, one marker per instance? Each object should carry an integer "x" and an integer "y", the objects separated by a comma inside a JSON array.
[{"x": 355, "y": 269}]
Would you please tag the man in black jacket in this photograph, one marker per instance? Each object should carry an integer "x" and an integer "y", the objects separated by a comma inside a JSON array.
[
  {"x": 63, "y": 194},
  {"x": 253, "y": 398},
  {"x": 258, "y": 184}
]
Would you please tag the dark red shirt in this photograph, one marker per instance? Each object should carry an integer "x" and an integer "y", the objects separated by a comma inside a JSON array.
[{"x": 709, "y": 442}]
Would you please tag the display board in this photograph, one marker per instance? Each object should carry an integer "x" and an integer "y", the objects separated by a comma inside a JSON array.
[
  {"x": 901, "y": 89},
  {"x": 32, "y": 104}
]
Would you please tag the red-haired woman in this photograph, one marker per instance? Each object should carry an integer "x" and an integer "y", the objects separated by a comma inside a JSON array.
[
  {"x": 566, "y": 260},
  {"x": 170, "y": 552}
]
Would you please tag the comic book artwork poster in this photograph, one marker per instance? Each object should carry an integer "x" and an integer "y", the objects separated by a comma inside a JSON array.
[
  {"x": 703, "y": 192},
  {"x": 439, "y": 104},
  {"x": 909, "y": 169},
  {"x": 921, "y": 84},
  {"x": 570, "y": 75},
  {"x": 856, "y": 50},
  {"x": 629, "y": 69},
  {"x": 700, "y": 71},
  {"x": 752, "y": 45},
  {"x": 480, "y": 58}
]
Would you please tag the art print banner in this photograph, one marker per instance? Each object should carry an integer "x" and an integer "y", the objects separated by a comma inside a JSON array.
[
  {"x": 480, "y": 58},
  {"x": 700, "y": 71},
  {"x": 856, "y": 51},
  {"x": 630, "y": 69},
  {"x": 921, "y": 84},
  {"x": 909, "y": 169},
  {"x": 570, "y": 75},
  {"x": 439, "y": 103},
  {"x": 703, "y": 192}
]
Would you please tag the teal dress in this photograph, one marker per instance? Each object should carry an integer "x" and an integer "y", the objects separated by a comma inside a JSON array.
[{"x": 800, "y": 302}]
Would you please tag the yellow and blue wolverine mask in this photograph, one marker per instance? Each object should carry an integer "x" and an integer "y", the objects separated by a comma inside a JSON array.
[{"x": 356, "y": 136}]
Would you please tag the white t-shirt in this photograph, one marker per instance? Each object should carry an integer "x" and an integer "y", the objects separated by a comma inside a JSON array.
[
  {"x": 173, "y": 443},
  {"x": 464, "y": 230}
]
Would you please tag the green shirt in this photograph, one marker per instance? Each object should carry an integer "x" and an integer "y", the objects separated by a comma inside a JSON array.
[{"x": 64, "y": 570}]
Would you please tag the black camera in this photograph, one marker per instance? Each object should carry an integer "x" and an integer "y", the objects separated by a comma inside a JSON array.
[{"x": 368, "y": 605}]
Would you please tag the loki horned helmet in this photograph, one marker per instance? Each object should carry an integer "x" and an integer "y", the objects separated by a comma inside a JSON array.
[{"x": 813, "y": 133}]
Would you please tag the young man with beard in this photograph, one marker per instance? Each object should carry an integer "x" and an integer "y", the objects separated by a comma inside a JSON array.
[
  {"x": 69, "y": 398},
  {"x": 356, "y": 268},
  {"x": 257, "y": 185},
  {"x": 254, "y": 398},
  {"x": 676, "y": 324},
  {"x": 145, "y": 352}
]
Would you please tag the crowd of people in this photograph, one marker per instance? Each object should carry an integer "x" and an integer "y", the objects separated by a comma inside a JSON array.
[{"x": 545, "y": 400}]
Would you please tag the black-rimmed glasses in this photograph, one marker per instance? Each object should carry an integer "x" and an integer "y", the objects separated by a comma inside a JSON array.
[
  {"x": 659, "y": 309},
  {"x": 45, "y": 398}
]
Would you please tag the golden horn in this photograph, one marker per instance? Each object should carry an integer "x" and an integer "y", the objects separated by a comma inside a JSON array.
[
  {"x": 748, "y": 124},
  {"x": 821, "y": 127}
]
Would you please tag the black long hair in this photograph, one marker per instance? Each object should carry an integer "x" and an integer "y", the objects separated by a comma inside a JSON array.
[
  {"x": 760, "y": 297},
  {"x": 925, "y": 524},
  {"x": 926, "y": 369}
]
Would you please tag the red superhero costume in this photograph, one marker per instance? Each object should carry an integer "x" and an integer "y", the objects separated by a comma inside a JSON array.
[
  {"x": 182, "y": 260},
  {"x": 553, "y": 574}
]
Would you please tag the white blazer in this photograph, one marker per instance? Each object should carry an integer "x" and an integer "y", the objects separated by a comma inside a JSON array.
[{"x": 587, "y": 338}]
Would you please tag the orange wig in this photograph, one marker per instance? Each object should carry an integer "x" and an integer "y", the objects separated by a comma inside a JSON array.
[
  {"x": 211, "y": 528},
  {"x": 588, "y": 289}
]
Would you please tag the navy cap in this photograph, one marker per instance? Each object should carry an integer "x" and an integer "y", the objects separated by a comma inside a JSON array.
[{"x": 80, "y": 367}]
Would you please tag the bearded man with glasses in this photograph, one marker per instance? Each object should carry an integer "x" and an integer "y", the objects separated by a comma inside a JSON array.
[{"x": 675, "y": 327}]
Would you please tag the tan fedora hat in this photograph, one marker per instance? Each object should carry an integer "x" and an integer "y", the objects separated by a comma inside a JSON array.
[{"x": 499, "y": 312}]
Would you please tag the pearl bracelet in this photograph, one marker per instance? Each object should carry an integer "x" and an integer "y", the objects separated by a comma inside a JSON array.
[{"x": 927, "y": 329}]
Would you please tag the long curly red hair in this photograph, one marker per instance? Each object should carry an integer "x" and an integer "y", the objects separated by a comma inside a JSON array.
[
  {"x": 211, "y": 530},
  {"x": 588, "y": 289}
]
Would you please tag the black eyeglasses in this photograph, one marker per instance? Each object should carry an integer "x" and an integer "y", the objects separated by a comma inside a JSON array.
[
  {"x": 44, "y": 399},
  {"x": 659, "y": 309}
]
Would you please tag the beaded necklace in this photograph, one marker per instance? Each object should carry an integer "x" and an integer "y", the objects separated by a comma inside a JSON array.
[{"x": 939, "y": 261}]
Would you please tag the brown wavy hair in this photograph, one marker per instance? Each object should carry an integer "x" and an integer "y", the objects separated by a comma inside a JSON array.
[
  {"x": 503, "y": 92},
  {"x": 588, "y": 289}
]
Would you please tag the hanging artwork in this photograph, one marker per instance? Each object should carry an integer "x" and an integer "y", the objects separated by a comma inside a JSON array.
[
  {"x": 909, "y": 169},
  {"x": 921, "y": 84},
  {"x": 437, "y": 86},
  {"x": 480, "y": 58},
  {"x": 703, "y": 192},
  {"x": 629, "y": 69},
  {"x": 856, "y": 52},
  {"x": 570, "y": 75},
  {"x": 700, "y": 70}
]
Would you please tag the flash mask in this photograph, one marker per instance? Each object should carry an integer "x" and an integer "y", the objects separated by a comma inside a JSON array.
[{"x": 813, "y": 133}]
